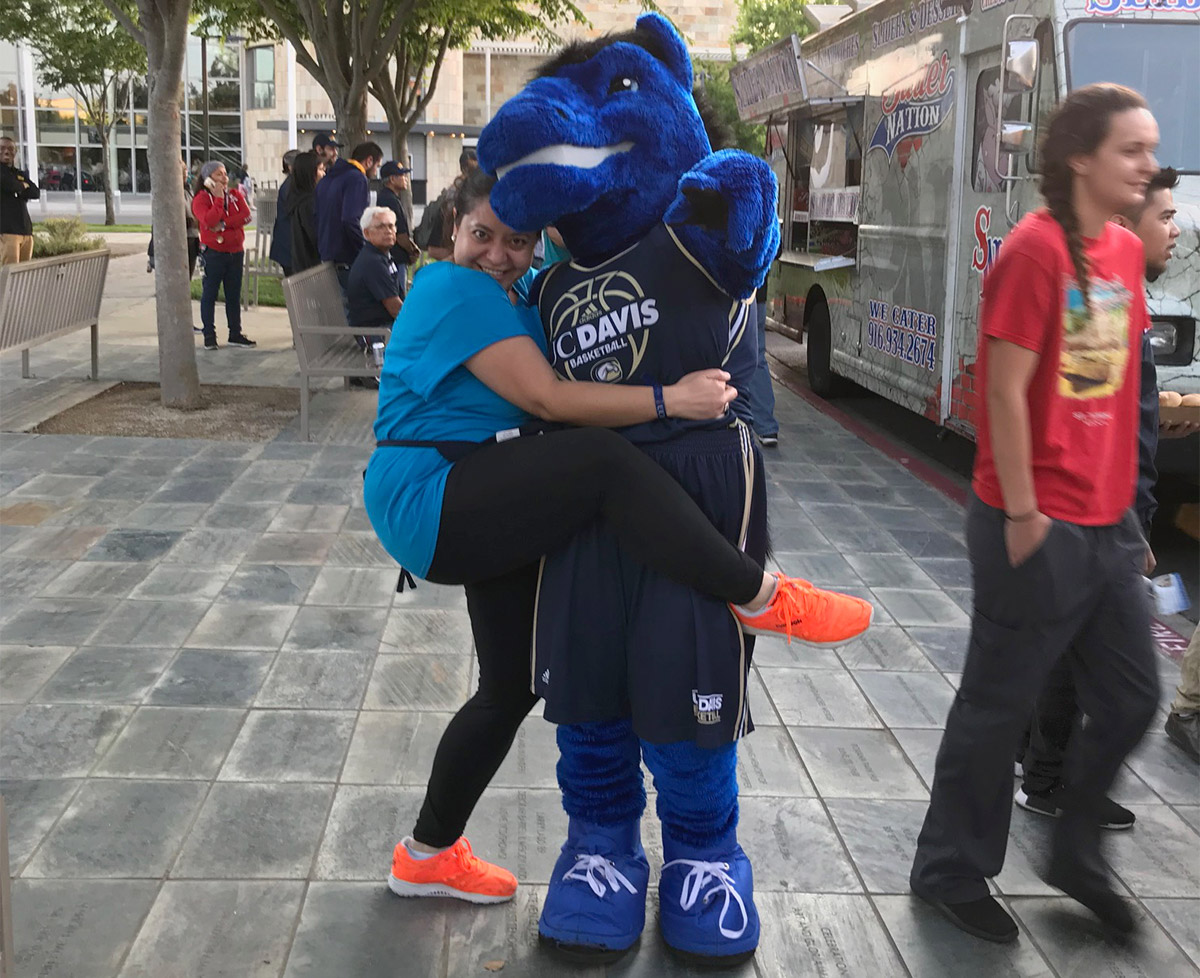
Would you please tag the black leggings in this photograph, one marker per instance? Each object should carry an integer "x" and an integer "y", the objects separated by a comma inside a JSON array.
[{"x": 505, "y": 506}]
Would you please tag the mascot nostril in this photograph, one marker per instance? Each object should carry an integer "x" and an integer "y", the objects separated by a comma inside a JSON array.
[{"x": 668, "y": 240}]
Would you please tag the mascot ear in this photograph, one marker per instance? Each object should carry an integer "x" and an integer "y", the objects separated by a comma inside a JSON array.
[{"x": 675, "y": 51}]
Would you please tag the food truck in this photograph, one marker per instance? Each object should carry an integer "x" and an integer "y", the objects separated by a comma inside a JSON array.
[{"x": 904, "y": 137}]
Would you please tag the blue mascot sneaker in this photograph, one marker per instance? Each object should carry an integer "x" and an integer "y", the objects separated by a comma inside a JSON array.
[
  {"x": 706, "y": 909},
  {"x": 596, "y": 906}
]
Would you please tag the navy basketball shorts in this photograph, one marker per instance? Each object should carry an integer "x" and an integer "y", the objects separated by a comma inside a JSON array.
[{"x": 614, "y": 639}]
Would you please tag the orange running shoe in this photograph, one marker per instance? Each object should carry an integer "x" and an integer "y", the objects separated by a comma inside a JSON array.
[
  {"x": 454, "y": 872},
  {"x": 809, "y": 614}
]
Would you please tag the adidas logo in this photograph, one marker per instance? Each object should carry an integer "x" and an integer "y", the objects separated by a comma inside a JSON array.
[{"x": 546, "y": 678}]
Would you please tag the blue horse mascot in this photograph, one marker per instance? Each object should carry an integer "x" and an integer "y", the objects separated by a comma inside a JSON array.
[{"x": 669, "y": 240}]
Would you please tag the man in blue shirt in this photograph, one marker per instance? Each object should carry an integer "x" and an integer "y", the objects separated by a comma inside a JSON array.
[
  {"x": 342, "y": 196},
  {"x": 374, "y": 284}
]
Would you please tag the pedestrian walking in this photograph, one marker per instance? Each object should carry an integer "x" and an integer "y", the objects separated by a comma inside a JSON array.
[
  {"x": 394, "y": 179},
  {"x": 1057, "y": 715},
  {"x": 222, "y": 214},
  {"x": 307, "y": 171},
  {"x": 459, "y": 496},
  {"x": 16, "y": 190},
  {"x": 1056, "y": 550},
  {"x": 281, "y": 231}
]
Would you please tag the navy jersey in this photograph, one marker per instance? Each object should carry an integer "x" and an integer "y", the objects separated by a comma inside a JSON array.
[{"x": 648, "y": 315}]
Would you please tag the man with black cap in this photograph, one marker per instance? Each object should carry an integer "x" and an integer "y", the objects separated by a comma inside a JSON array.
[
  {"x": 326, "y": 147},
  {"x": 394, "y": 179}
]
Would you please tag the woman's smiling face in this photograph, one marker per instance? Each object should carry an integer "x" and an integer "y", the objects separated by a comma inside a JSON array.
[{"x": 483, "y": 242}]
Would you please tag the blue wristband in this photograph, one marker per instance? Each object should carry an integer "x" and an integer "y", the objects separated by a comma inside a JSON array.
[{"x": 659, "y": 405}]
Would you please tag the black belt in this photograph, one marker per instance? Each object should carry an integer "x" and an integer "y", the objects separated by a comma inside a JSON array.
[{"x": 454, "y": 451}]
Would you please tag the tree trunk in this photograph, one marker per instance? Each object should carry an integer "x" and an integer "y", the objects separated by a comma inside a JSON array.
[
  {"x": 400, "y": 153},
  {"x": 166, "y": 39},
  {"x": 350, "y": 111},
  {"x": 110, "y": 214}
]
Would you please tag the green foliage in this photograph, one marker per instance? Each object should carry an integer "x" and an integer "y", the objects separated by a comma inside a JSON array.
[
  {"x": 714, "y": 77},
  {"x": 63, "y": 236},
  {"x": 79, "y": 44},
  {"x": 761, "y": 23}
]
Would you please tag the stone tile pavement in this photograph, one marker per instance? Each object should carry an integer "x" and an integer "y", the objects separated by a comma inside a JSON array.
[{"x": 217, "y": 718}]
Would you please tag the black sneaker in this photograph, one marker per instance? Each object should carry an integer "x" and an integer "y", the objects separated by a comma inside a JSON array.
[
  {"x": 242, "y": 340},
  {"x": 983, "y": 918},
  {"x": 768, "y": 441},
  {"x": 1091, "y": 888},
  {"x": 1112, "y": 815},
  {"x": 1183, "y": 730},
  {"x": 211, "y": 345},
  {"x": 369, "y": 383}
]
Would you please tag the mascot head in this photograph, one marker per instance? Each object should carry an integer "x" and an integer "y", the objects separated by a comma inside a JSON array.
[{"x": 597, "y": 142}]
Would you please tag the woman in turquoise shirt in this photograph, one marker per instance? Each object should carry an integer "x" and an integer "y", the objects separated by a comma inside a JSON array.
[{"x": 460, "y": 494}]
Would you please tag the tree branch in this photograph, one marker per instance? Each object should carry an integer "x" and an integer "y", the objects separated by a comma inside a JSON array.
[
  {"x": 126, "y": 21},
  {"x": 433, "y": 77}
]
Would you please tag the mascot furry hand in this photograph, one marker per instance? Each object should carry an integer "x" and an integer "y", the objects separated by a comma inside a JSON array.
[{"x": 668, "y": 240}]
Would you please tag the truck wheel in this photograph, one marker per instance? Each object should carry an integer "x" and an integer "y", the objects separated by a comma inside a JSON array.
[{"x": 821, "y": 377}]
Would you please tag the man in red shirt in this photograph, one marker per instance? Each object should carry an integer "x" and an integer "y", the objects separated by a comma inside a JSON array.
[
  {"x": 1056, "y": 550},
  {"x": 223, "y": 213}
]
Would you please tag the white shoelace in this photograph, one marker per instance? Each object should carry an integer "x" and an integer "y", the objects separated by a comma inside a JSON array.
[
  {"x": 701, "y": 874},
  {"x": 587, "y": 863}
]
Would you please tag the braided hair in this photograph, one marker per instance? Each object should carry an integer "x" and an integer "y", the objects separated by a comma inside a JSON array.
[{"x": 1077, "y": 127}]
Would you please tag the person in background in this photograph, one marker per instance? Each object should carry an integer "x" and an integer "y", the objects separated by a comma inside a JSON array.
[
  {"x": 395, "y": 179},
  {"x": 326, "y": 148},
  {"x": 376, "y": 285},
  {"x": 1057, "y": 553},
  {"x": 761, "y": 393},
  {"x": 16, "y": 190},
  {"x": 307, "y": 171},
  {"x": 1057, "y": 714},
  {"x": 436, "y": 232},
  {"x": 341, "y": 199},
  {"x": 222, "y": 214},
  {"x": 193, "y": 231},
  {"x": 281, "y": 233}
]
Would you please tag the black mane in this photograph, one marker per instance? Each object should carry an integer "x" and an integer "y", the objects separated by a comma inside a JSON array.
[{"x": 577, "y": 52}]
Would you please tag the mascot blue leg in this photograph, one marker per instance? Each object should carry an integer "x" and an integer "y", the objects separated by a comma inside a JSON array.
[
  {"x": 706, "y": 891},
  {"x": 596, "y": 906}
]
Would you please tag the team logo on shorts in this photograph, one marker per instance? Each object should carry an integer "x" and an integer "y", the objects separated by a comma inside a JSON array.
[
  {"x": 598, "y": 330},
  {"x": 707, "y": 707}
]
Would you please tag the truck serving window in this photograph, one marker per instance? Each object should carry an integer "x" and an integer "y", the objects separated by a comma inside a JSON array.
[{"x": 1158, "y": 59}]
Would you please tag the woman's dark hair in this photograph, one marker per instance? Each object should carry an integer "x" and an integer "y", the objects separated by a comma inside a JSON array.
[
  {"x": 304, "y": 172},
  {"x": 473, "y": 188},
  {"x": 1077, "y": 127}
]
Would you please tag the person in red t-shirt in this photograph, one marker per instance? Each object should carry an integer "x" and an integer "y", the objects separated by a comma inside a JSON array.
[
  {"x": 223, "y": 213},
  {"x": 1056, "y": 551}
]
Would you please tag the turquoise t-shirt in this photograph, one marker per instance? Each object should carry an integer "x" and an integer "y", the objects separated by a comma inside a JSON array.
[{"x": 426, "y": 394}]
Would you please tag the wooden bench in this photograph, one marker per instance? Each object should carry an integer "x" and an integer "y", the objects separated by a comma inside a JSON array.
[
  {"x": 325, "y": 344},
  {"x": 50, "y": 297}
]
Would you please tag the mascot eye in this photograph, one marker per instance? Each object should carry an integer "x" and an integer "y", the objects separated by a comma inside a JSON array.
[{"x": 623, "y": 83}]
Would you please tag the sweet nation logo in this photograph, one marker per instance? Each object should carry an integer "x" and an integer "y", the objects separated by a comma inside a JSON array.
[{"x": 915, "y": 110}]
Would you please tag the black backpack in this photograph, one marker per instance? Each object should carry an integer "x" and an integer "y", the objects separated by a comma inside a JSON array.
[{"x": 432, "y": 229}]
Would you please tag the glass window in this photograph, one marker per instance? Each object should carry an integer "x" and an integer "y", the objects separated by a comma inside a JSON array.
[
  {"x": 985, "y": 175},
  {"x": 56, "y": 167},
  {"x": 261, "y": 63},
  {"x": 91, "y": 169},
  {"x": 56, "y": 125},
  {"x": 1156, "y": 58}
]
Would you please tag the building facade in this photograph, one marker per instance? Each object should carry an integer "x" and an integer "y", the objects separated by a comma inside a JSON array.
[{"x": 260, "y": 103}]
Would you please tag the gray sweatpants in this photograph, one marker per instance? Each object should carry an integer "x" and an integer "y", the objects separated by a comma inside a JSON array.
[{"x": 1081, "y": 594}]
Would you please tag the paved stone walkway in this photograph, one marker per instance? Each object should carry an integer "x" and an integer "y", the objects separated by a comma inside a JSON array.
[{"x": 218, "y": 717}]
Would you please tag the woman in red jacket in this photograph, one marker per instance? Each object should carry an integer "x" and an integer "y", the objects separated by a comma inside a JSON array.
[{"x": 223, "y": 213}]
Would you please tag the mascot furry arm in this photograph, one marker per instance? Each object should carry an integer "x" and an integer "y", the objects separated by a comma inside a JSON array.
[{"x": 607, "y": 142}]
